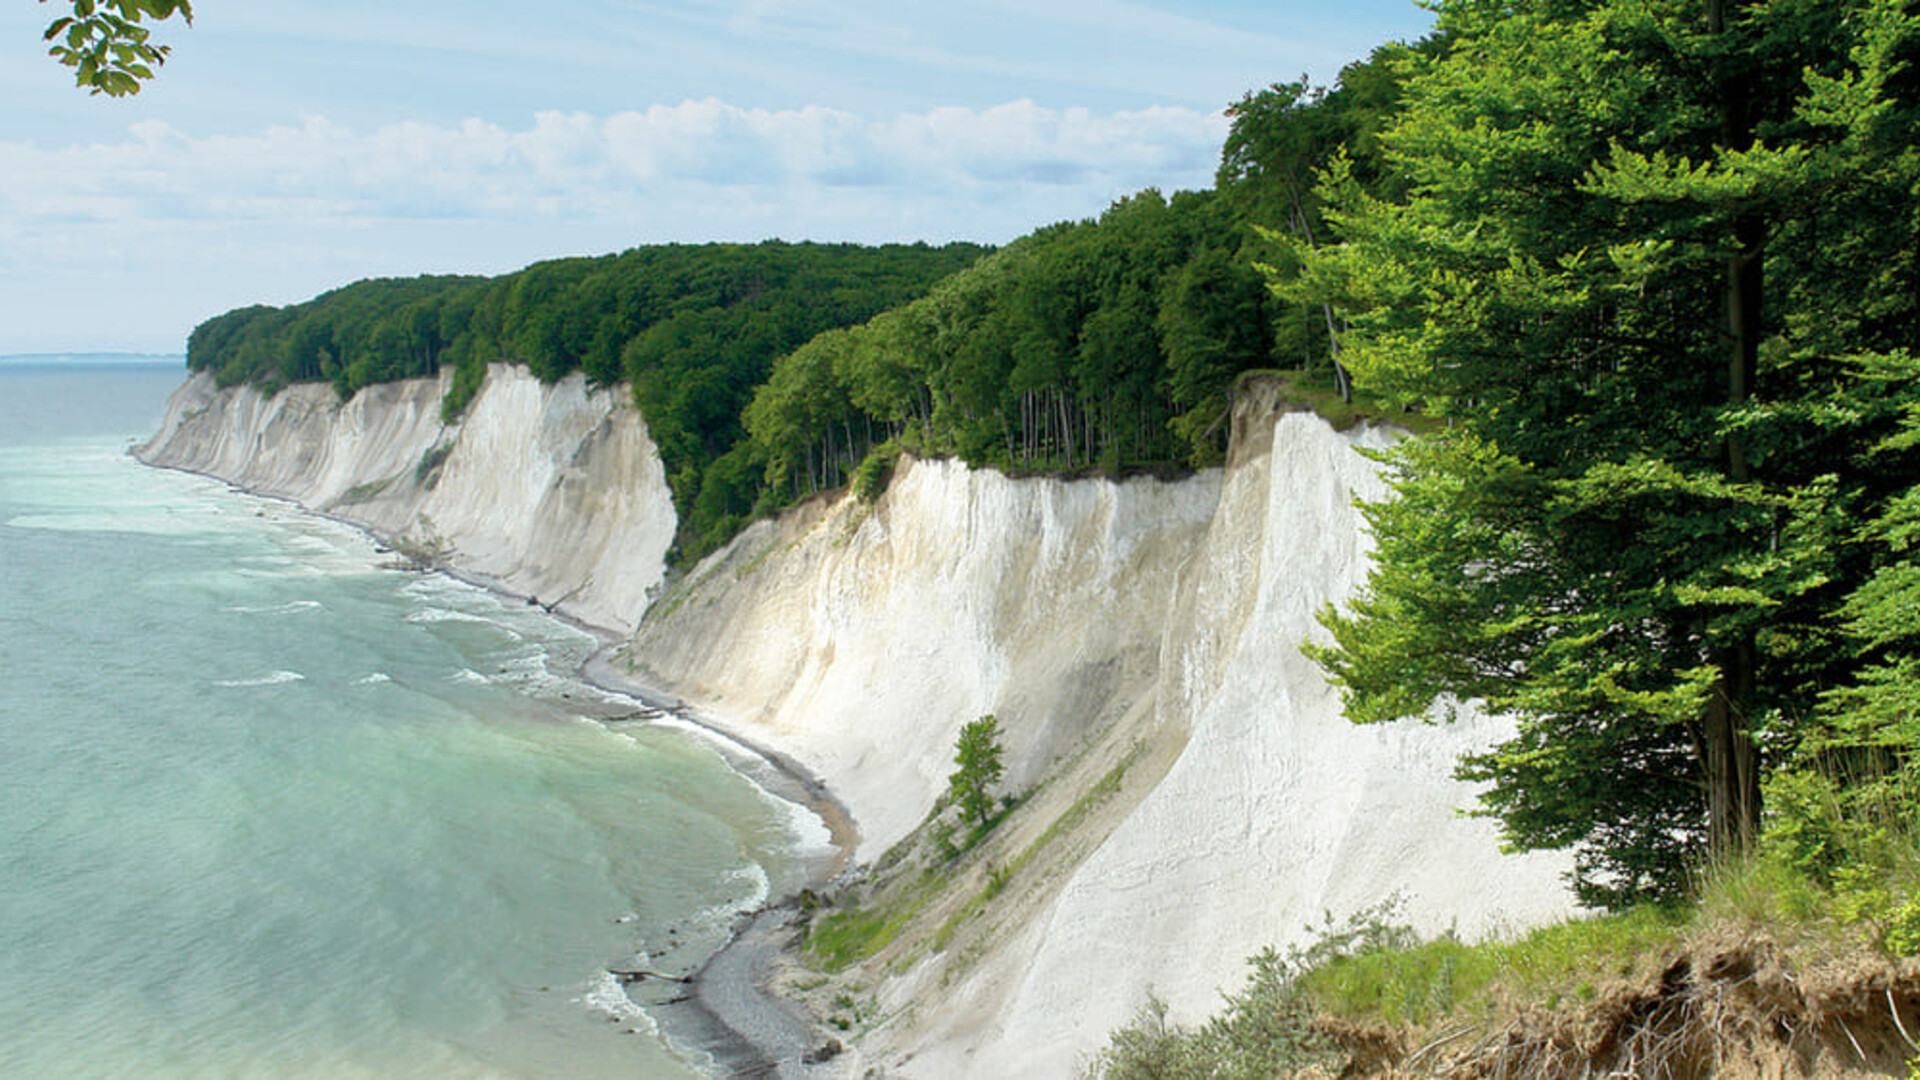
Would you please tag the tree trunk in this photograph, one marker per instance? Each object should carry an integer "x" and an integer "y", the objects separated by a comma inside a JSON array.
[
  {"x": 1732, "y": 757},
  {"x": 1340, "y": 381}
]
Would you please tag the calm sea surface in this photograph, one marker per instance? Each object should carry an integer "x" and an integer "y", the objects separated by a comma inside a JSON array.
[{"x": 268, "y": 810}]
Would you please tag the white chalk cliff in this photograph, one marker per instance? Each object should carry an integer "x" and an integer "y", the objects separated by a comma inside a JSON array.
[
  {"x": 1142, "y": 629},
  {"x": 547, "y": 491}
]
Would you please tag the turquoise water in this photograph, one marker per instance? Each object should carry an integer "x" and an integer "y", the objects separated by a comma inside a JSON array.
[{"x": 267, "y": 809}]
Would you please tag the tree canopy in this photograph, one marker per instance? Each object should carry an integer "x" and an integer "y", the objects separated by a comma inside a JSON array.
[
  {"x": 1657, "y": 266},
  {"x": 693, "y": 328},
  {"x": 976, "y": 757},
  {"x": 106, "y": 44}
]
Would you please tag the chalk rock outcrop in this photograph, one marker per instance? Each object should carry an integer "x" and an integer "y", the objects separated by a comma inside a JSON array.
[{"x": 552, "y": 492}]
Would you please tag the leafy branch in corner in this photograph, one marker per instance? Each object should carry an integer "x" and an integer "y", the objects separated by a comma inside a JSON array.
[{"x": 106, "y": 45}]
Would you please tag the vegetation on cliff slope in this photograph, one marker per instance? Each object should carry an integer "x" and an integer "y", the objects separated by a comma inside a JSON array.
[{"x": 1771, "y": 970}]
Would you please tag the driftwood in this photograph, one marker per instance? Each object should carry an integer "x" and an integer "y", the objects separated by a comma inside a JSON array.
[
  {"x": 637, "y": 974},
  {"x": 534, "y": 601}
]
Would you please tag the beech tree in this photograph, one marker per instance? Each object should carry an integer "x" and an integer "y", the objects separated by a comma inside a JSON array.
[
  {"x": 106, "y": 44},
  {"x": 1647, "y": 256}
]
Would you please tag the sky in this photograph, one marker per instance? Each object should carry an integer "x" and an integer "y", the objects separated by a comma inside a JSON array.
[{"x": 288, "y": 148}]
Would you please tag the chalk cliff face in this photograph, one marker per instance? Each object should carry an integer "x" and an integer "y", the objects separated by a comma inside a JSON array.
[
  {"x": 548, "y": 491},
  {"x": 1142, "y": 630},
  {"x": 1277, "y": 810},
  {"x": 1096, "y": 618},
  {"x": 863, "y": 638}
]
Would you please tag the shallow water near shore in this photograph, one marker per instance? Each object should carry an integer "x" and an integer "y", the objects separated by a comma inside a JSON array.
[{"x": 267, "y": 809}]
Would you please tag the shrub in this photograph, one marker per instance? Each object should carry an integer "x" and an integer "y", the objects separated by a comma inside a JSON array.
[{"x": 876, "y": 471}]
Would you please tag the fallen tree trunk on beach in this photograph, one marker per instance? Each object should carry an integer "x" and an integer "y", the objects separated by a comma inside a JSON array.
[{"x": 638, "y": 974}]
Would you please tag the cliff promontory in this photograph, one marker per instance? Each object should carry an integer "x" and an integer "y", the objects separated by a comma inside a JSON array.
[{"x": 552, "y": 492}]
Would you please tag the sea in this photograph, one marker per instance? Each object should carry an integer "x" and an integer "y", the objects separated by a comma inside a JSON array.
[{"x": 269, "y": 808}]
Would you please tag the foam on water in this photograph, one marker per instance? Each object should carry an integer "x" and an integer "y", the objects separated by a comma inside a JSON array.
[
  {"x": 445, "y": 615},
  {"x": 606, "y": 996},
  {"x": 291, "y": 607},
  {"x": 275, "y": 678},
  {"x": 809, "y": 833}
]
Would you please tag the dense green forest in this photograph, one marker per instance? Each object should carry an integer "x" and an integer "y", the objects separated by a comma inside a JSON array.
[
  {"x": 1103, "y": 344},
  {"x": 693, "y": 328}
]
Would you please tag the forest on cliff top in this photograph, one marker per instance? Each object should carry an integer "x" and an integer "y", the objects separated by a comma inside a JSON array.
[{"x": 772, "y": 371}]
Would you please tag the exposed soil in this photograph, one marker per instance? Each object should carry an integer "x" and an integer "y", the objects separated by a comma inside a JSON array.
[{"x": 1720, "y": 1009}]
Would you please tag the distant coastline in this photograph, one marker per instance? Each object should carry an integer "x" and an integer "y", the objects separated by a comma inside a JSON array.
[{"x": 93, "y": 359}]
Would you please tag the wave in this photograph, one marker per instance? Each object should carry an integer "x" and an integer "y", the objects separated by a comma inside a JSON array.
[
  {"x": 133, "y": 523},
  {"x": 276, "y": 678},
  {"x": 808, "y": 831},
  {"x": 292, "y": 607},
  {"x": 432, "y": 615},
  {"x": 607, "y": 997},
  {"x": 720, "y": 918},
  {"x": 373, "y": 679}
]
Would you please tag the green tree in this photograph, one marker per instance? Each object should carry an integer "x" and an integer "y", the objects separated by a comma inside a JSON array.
[
  {"x": 977, "y": 753},
  {"x": 106, "y": 45},
  {"x": 1644, "y": 254}
]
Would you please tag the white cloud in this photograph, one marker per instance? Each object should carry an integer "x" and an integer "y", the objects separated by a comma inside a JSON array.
[
  {"x": 619, "y": 165},
  {"x": 199, "y": 224}
]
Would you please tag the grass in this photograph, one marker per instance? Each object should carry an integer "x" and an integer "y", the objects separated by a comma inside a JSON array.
[
  {"x": 847, "y": 937},
  {"x": 677, "y": 597},
  {"x": 998, "y": 876},
  {"x": 1315, "y": 390},
  {"x": 427, "y": 473},
  {"x": 1370, "y": 975},
  {"x": 1447, "y": 977},
  {"x": 363, "y": 492}
]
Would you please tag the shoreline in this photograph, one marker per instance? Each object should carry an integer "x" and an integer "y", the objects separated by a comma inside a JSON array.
[{"x": 731, "y": 1016}]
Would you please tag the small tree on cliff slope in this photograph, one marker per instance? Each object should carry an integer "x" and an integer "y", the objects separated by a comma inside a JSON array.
[{"x": 977, "y": 753}]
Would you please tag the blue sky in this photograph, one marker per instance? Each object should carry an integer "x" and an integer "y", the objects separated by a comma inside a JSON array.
[{"x": 291, "y": 147}]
